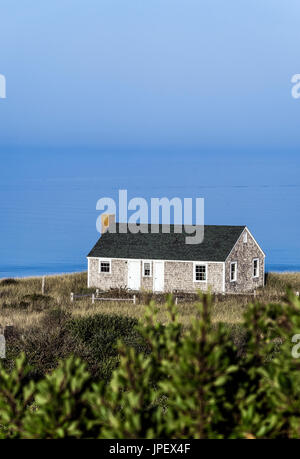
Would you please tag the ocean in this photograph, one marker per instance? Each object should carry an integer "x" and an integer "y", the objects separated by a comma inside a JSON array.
[{"x": 48, "y": 205}]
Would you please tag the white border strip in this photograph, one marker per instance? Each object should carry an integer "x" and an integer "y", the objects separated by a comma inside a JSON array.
[{"x": 156, "y": 259}]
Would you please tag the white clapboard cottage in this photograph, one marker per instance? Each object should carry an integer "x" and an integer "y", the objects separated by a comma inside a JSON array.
[{"x": 229, "y": 260}]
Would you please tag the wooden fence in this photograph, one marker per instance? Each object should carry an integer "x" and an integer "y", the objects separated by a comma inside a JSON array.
[
  {"x": 223, "y": 294},
  {"x": 95, "y": 297}
]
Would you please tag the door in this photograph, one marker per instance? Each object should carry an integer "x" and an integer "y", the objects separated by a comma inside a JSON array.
[
  {"x": 158, "y": 276},
  {"x": 134, "y": 275}
]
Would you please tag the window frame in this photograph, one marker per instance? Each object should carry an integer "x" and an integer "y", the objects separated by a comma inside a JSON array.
[
  {"x": 104, "y": 260},
  {"x": 257, "y": 268},
  {"x": 143, "y": 268},
  {"x": 233, "y": 263},
  {"x": 199, "y": 263}
]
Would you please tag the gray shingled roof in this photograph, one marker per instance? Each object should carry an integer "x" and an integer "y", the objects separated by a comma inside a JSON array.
[{"x": 217, "y": 244}]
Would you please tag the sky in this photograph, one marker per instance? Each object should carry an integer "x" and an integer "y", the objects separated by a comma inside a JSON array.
[{"x": 164, "y": 98}]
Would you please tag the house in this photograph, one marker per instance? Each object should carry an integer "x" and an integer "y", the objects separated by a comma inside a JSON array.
[{"x": 229, "y": 260}]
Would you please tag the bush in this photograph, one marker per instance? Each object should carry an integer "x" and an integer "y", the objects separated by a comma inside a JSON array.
[
  {"x": 14, "y": 305},
  {"x": 34, "y": 302},
  {"x": 8, "y": 281},
  {"x": 38, "y": 302},
  {"x": 93, "y": 339},
  {"x": 44, "y": 345},
  {"x": 191, "y": 384},
  {"x": 99, "y": 334}
]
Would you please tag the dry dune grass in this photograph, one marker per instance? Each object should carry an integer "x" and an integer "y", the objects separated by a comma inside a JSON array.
[{"x": 22, "y": 304}]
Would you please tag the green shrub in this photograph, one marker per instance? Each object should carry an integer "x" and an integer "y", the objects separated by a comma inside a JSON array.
[
  {"x": 34, "y": 302},
  {"x": 44, "y": 345},
  {"x": 8, "y": 281},
  {"x": 100, "y": 334},
  {"x": 16, "y": 305},
  {"x": 38, "y": 302},
  {"x": 191, "y": 384},
  {"x": 92, "y": 338}
]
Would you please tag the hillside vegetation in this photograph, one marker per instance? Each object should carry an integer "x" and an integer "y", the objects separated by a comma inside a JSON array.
[
  {"x": 22, "y": 304},
  {"x": 167, "y": 381},
  {"x": 50, "y": 327}
]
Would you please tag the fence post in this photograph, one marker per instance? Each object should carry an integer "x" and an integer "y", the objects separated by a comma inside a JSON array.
[
  {"x": 43, "y": 285},
  {"x": 254, "y": 293},
  {"x": 72, "y": 297},
  {"x": 97, "y": 292},
  {"x": 134, "y": 299},
  {"x": 176, "y": 300},
  {"x": 93, "y": 298}
]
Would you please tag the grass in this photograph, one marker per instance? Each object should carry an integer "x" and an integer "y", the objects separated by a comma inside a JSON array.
[
  {"x": 50, "y": 327},
  {"x": 22, "y": 305}
]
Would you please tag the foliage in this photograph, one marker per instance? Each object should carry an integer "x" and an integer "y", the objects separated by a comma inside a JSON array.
[
  {"x": 99, "y": 335},
  {"x": 8, "y": 281},
  {"x": 101, "y": 332},
  {"x": 93, "y": 338},
  {"x": 189, "y": 384}
]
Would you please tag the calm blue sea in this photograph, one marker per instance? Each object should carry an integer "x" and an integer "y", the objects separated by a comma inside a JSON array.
[{"x": 48, "y": 203}]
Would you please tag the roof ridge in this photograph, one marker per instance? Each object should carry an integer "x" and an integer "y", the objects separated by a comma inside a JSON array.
[
  {"x": 179, "y": 224},
  {"x": 217, "y": 243}
]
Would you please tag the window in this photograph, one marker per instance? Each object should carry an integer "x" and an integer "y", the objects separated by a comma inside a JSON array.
[
  {"x": 233, "y": 271},
  {"x": 200, "y": 273},
  {"x": 256, "y": 267},
  {"x": 245, "y": 238},
  {"x": 146, "y": 268},
  {"x": 104, "y": 266}
]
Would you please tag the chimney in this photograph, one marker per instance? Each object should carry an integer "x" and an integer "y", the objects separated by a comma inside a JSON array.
[{"x": 107, "y": 221}]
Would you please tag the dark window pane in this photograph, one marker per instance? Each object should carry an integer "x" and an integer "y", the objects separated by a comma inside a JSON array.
[
  {"x": 147, "y": 269},
  {"x": 200, "y": 272},
  {"x": 105, "y": 267}
]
